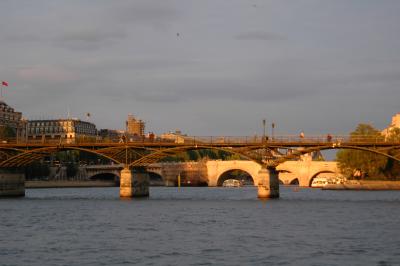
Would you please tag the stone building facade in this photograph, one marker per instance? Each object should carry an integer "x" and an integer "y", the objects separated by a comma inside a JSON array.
[
  {"x": 395, "y": 124},
  {"x": 112, "y": 135},
  {"x": 71, "y": 130},
  {"x": 135, "y": 127},
  {"x": 12, "y": 119}
]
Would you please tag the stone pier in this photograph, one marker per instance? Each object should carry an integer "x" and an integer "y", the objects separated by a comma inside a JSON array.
[
  {"x": 134, "y": 184},
  {"x": 268, "y": 183},
  {"x": 12, "y": 183}
]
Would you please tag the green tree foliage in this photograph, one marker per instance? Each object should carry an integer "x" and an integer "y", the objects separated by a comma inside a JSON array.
[
  {"x": 7, "y": 132},
  {"x": 371, "y": 165},
  {"x": 392, "y": 169},
  {"x": 195, "y": 155}
]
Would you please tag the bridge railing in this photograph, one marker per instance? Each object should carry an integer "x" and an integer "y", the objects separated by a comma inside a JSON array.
[
  {"x": 282, "y": 139},
  {"x": 207, "y": 140}
]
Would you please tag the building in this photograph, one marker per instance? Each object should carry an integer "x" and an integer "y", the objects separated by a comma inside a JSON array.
[
  {"x": 70, "y": 129},
  {"x": 176, "y": 137},
  {"x": 112, "y": 135},
  {"x": 395, "y": 124},
  {"x": 12, "y": 120},
  {"x": 135, "y": 127}
]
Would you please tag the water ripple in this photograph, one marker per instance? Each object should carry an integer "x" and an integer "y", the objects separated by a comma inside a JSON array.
[{"x": 200, "y": 226}]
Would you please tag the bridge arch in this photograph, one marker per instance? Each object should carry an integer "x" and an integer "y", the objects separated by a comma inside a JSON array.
[
  {"x": 28, "y": 157},
  {"x": 155, "y": 178},
  {"x": 285, "y": 176},
  {"x": 105, "y": 176},
  {"x": 217, "y": 168},
  {"x": 314, "y": 175},
  {"x": 225, "y": 175},
  {"x": 158, "y": 155}
]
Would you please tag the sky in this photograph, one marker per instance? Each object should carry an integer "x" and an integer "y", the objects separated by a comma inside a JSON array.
[{"x": 209, "y": 67}]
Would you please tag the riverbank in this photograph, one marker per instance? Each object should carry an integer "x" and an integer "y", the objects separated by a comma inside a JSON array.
[
  {"x": 364, "y": 185},
  {"x": 68, "y": 183}
]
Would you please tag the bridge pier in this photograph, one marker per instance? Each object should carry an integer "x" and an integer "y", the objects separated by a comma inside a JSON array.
[
  {"x": 134, "y": 184},
  {"x": 268, "y": 183},
  {"x": 12, "y": 183}
]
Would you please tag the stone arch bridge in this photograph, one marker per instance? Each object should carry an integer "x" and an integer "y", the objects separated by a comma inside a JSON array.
[
  {"x": 210, "y": 172},
  {"x": 303, "y": 171}
]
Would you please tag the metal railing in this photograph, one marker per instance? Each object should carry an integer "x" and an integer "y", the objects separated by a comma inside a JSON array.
[{"x": 210, "y": 140}]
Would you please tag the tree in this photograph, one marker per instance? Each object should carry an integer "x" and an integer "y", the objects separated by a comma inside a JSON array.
[
  {"x": 369, "y": 164},
  {"x": 392, "y": 169},
  {"x": 7, "y": 132}
]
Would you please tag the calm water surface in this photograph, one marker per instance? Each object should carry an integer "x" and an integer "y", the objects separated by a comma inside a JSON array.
[{"x": 200, "y": 226}]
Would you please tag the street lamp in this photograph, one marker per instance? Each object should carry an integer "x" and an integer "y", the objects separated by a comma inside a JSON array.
[
  {"x": 272, "y": 130},
  {"x": 264, "y": 123}
]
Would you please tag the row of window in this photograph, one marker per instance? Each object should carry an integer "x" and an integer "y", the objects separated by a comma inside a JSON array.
[
  {"x": 10, "y": 117},
  {"x": 54, "y": 136},
  {"x": 38, "y": 130},
  {"x": 7, "y": 109},
  {"x": 59, "y": 123}
]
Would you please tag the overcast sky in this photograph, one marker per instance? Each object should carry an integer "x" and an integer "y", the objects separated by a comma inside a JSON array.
[{"x": 214, "y": 67}]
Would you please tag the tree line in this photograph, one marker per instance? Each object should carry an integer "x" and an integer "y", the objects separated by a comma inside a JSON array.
[{"x": 356, "y": 164}]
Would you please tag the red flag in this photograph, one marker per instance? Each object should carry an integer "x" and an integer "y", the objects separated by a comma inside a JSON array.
[{"x": 4, "y": 83}]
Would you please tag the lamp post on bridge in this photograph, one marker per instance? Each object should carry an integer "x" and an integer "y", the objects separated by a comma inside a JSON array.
[
  {"x": 272, "y": 130},
  {"x": 264, "y": 125}
]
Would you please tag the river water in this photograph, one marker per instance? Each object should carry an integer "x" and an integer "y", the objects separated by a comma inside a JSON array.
[{"x": 200, "y": 226}]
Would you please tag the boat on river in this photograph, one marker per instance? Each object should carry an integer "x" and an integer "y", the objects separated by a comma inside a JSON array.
[
  {"x": 232, "y": 183},
  {"x": 320, "y": 182}
]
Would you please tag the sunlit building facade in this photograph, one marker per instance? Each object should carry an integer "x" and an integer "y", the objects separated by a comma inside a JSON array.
[
  {"x": 135, "y": 127},
  {"x": 69, "y": 129},
  {"x": 176, "y": 137},
  {"x": 395, "y": 124}
]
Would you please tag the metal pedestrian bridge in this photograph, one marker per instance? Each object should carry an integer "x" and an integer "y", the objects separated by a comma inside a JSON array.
[
  {"x": 143, "y": 152},
  {"x": 136, "y": 155}
]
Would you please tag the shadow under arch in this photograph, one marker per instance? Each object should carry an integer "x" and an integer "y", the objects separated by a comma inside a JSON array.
[
  {"x": 317, "y": 174},
  {"x": 294, "y": 182},
  {"x": 156, "y": 179},
  {"x": 28, "y": 157},
  {"x": 285, "y": 176},
  {"x": 245, "y": 177},
  {"x": 105, "y": 177}
]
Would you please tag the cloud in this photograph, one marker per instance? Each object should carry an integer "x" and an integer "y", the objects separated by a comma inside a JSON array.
[
  {"x": 84, "y": 39},
  {"x": 91, "y": 36},
  {"x": 259, "y": 36},
  {"x": 233, "y": 90},
  {"x": 125, "y": 55},
  {"x": 16, "y": 37},
  {"x": 47, "y": 74},
  {"x": 157, "y": 14}
]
